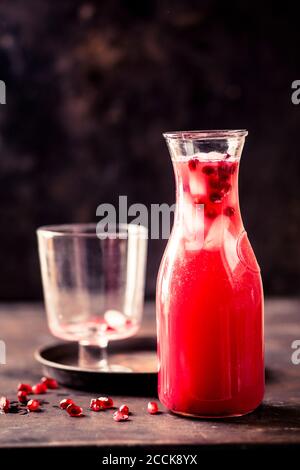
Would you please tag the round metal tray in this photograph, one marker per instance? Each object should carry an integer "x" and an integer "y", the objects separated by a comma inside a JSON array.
[{"x": 138, "y": 354}]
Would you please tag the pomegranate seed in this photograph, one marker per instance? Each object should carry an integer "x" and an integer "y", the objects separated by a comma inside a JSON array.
[
  {"x": 124, "y": 410},
  {"x": 208, "y": 170},
  {"x": 109, "y": 328},
  {"x": 4, "y": 404},
  {"x": 216, "y": 197},
  {"x": 33, "y": 405},
  {"x": 233, "y": 167},
  {"x": 38, "y": 389},
  {"x": 119, "y": 416},
  {"x": 65, "y": 403},
  {"x": 227, "y": 156},
  {"x": 210, "y": 213},
  {"x": 105, "y": 402},
  {"x": 193, "y": 164},
  {"x": 226, "y": 188},
  {"x": 215, "y": 182},
  {"x": 224, "y": 177},
  {"x": 152, "y": 407},
  {"x": 25, "y": 388},
  {"x": 49, "y": 382},
  {"x": 229, "y": 211},
  {"x": 74, "y": 410},
  {"x": 227, "y": 168},
  {"x": 224, "y": 168},
  {"x": 22, "y": 397},
  {"x": 95, "y": 406}
]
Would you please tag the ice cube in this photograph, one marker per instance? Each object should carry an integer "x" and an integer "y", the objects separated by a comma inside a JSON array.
[
  {"x": 197, "y": 185},
  {"x": 230, "y": 250},
  {"x": 214, "y": 237},
  {"x": 193, "y": 218},
  {"x": 193, "y": 245}
]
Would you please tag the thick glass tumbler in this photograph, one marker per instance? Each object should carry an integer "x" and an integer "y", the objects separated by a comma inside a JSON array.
[{"x": 93, "y": 284}]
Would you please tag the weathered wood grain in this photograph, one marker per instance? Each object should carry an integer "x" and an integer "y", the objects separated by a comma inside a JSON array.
[{"x": 277, "y": 421}]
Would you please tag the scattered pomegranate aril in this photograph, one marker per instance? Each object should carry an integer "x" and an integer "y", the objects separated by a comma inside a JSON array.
[
  {"x": 229, "y": 211},
  {"x": 39, "y": 389},
  {"x": 152, "y": 407},
  {"x": 33, "y": 405},
  {"x": 22, "y": 397},
  {"x": 193, "y": 164},
  {"x": 124, "y": 409},
  {"x": 208, "y": 170},
  {"x": 105, "y": 402},
  {"x": 49, "y": 382},
  {"x": 4, "y": 404},
  {"x": 24, "y": 388},
  {"x": 65, "y": 403},
  {"x": 216, "y": 197},
  {"x": 95, "y": 406},
  {"x": 74, "y": 410},
  {"x": 119, "y": 416},
  {"x": 227, "y": 156}
]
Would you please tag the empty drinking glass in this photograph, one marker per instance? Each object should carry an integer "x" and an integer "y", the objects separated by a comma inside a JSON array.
[{"x": 93, "y": 283}]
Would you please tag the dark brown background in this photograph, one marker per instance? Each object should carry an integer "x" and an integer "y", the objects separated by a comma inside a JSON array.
[{"x": 92, "y": 85}]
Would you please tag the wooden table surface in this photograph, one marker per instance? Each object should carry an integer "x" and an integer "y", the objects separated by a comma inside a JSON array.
[{"x": 277, "y": 421}]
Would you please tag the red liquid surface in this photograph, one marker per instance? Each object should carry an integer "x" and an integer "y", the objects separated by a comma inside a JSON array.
[{"x": 209, "y": 300}]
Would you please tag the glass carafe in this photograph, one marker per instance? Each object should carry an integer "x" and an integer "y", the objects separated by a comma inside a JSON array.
[{"x": 209, "y": 289}]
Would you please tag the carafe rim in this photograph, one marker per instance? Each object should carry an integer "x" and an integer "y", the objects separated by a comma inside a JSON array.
[{"x": 205, "y": 134}]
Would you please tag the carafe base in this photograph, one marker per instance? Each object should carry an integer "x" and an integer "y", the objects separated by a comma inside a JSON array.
[{"x": 200, "y": 416}]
